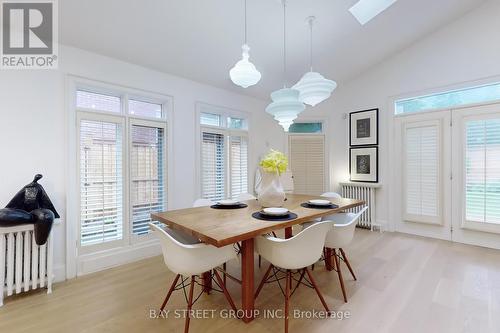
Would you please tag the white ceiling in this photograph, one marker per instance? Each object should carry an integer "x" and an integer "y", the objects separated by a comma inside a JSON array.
[{"x": 201, "y": 39}]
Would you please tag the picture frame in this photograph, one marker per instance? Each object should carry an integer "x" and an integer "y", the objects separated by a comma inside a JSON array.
[
  {"x": 363, "y": 128},
  {"x": 363, "y": 164}
]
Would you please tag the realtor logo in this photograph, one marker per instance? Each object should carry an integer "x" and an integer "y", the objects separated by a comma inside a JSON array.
[{"x": 29, "y": 34}]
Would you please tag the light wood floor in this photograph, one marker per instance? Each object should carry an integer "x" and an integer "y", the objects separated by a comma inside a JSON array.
[{"x": 405, "y": 284}]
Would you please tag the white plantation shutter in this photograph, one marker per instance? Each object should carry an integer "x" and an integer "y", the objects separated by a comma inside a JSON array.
[
  {"x": 307, "y": 163},
  {"x": 239, "y": 165},
  {"x": 101, "y": 204},
  {"x": 213, "y": 169},
  {"x": 482, "y": 171},
  {"x": 147, "y": 163},
  {"x": 422, "y": 172}
]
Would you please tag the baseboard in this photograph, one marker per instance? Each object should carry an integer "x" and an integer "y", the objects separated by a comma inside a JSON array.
[{"x": 116, "y": 257}]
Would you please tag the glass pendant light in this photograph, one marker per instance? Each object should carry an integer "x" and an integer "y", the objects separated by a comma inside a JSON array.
[
  {"x": 313, "y": 87},
  {"x": 244, "y": 73},
  {"x": 286, "y": 105}
]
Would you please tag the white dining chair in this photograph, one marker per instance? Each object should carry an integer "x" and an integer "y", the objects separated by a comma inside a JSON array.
[
  {"x": 296, "y": 253},
  {"x": 202, "y": 202},
  {"x": 331, "y": 195},
  {"x": 188, "y": 261},
  {"x": 245, "y": 197},
  {"x": 339, "y": 237}
]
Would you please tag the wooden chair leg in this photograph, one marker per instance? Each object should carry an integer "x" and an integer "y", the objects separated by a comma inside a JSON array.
[
  {"x": 263, "y": 281},
  {"x": 226, "y": 293},
  {"x": 189, "y": 305},
  {"x": 224, "y": 267},
  {"x": 339, "y": 272},
  {"x": 170, "y": 291},
  {"x": 313, "y": 282},
  {"x": 348, "y": 264},
  {"x": 260, "y": 260},
  {"x": 287, "y": 298}
]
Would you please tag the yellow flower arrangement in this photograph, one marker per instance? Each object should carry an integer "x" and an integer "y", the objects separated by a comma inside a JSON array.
[{"x": 274, "y": 162}]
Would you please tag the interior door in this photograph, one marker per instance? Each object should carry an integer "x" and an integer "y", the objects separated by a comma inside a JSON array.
[
  {"x": 422, "y": 174},
  {"x": 476, "y": 175},
  {"x": 307, "y": 163}
]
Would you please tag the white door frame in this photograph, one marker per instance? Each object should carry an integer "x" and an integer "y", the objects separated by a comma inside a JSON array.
[
  {"x": 468, "y": 232},
  {"x": 439, "y": 227}
]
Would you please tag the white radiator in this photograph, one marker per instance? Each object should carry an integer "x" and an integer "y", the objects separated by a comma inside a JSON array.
[
  {"x": 365, "y": 192},
  {"x": 23, "y": 264}
]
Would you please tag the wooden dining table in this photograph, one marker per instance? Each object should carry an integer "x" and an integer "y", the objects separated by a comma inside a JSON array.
[{"x": 221, "y": 227}]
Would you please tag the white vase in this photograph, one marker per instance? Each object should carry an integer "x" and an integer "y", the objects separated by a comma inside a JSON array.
[{"x": 270, "y": 191}]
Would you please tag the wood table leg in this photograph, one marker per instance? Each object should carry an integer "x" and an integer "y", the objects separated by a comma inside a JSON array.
[
  {"x": 288, "y": 232},
  {"x": 247, "y": 280},
  {"x": 207, "y": 282},
  {"x": 328, "y": 259}
]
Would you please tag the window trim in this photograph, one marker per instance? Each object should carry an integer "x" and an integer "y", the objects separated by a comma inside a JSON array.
[
  {"x": 75, "y": 260},
  {"x": 224, "y": 112}
]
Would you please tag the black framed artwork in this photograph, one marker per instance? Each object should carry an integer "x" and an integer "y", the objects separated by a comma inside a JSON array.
[
  {"x": 363, "y": 128},
  {"x": 363, "y": 164}
]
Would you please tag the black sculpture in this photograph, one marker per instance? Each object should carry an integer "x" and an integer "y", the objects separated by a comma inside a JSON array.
[{"x": 31, "y": 205}]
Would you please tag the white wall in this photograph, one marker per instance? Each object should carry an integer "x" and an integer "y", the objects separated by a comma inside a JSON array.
[
  {"x": 463, "y": 53},
  {"x": 33, "y": 128}
]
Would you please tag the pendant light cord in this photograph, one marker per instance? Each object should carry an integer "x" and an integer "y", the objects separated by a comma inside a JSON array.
[
  {"x": 311, "y": 45},
  {"x": 245, "y": 22},
  {"x": 284, "y": 43}
]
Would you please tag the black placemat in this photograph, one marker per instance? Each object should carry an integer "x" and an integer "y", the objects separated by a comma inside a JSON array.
[
  {"x": 217, "y": 206},
  {"x": 259, "y": 216},
  {"x": 308, "y": 205}
]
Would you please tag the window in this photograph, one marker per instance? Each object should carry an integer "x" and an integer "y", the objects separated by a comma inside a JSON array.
[
  {"x": 97, "y": 101},
  {"x": 110, "y": 211},
  {"x": 210, "y": 119},
  {"x": 306, "y": 128},
  {"x": 145, "y": 109},
  {"x": 224, "y": 155},
  {"x": 487, "y": 93},
  {"x": 422, "y": 171},
  {"x": 147, "y": 175},
  {"x": 239, "y": 165},
  {"x": 482, "y": 171},
  {"x": 101, "y": 187},
  {"x": 213, "y": 173},
  {"x": 237, "y": 123}
]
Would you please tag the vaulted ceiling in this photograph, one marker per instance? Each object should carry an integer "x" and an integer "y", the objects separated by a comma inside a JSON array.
[{"x": 201, "y": 39}]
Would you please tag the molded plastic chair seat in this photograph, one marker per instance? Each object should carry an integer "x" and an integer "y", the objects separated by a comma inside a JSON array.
[
  {"x": 245, "y": 197},
  {"x": 190, "y": 260},
  {"x": 300, "y": 251},
  {"x": 202, "y": 202},
  {"x": 339, "y": 237},
  {"x": 295, "y": 253}
]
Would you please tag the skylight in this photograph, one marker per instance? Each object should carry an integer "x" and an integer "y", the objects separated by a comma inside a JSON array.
[{"x": 366, "y": 10}]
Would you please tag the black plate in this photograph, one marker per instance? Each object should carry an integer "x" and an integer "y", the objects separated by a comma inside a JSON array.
[
  {"x": 308, "y": 205},
  {"x": 238, "y": 206},
  {"x": 288, "y": 217}
]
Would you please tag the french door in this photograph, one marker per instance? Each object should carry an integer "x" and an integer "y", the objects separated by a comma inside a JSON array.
[
  {"x": 476, "y": 176},
  {"x": 448, "y": 175},
  {"x": 422, "y": 171}
]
